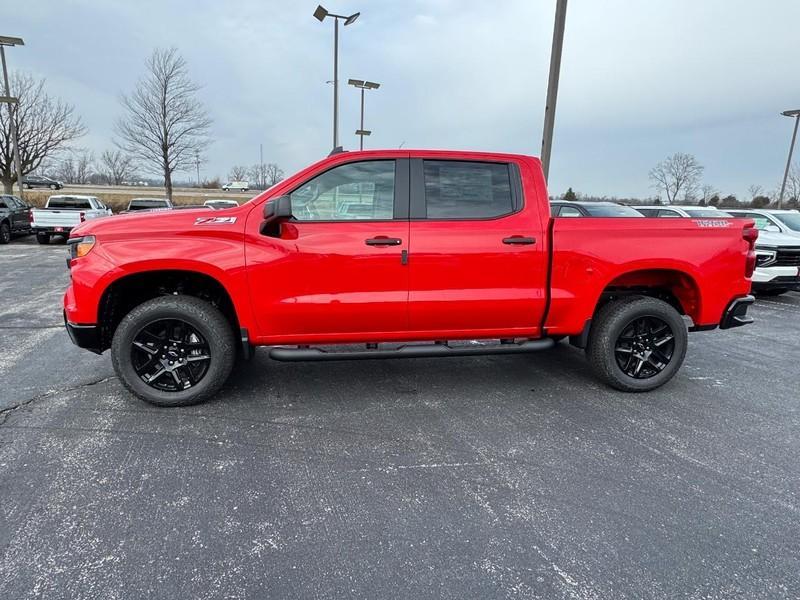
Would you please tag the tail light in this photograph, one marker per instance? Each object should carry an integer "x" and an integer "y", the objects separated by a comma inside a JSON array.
[
  {"x": 83, "y": 217},
  {"x": 750, "y": 235},
  {"x": 30, "y": 217}
]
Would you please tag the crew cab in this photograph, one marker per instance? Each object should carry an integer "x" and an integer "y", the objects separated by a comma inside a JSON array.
[
  {"x": 445, "y": 247},
  {"x": 63, "y": 213},
  {"x": 14, "y": 217}
]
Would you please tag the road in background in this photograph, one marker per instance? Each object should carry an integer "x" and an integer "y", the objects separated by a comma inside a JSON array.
[{"x": 514, "y": 476}]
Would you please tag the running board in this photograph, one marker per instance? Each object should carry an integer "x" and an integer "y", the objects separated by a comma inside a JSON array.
[{"x": 410, "y": 351}]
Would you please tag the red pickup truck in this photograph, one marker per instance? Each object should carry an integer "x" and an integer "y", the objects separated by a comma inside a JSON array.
[{"x": 381, "y": 254}]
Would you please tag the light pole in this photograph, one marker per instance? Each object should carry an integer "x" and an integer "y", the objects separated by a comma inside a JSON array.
[
  {"x": 552, "y": 85},
  {"x": 796, "y": 115},
  {"x": 197, "y": 164},
  {"x": 12, "y": 41},
  {"x": 320, "y": 14},
  {"x": 363, "y": 85}
]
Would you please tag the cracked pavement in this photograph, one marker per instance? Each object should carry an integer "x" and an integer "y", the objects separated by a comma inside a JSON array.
[{"x": 492, "y": 477}]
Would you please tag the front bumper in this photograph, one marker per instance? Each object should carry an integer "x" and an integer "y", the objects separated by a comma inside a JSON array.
[
  {"x": 84, "y": 336},
  {"x": 736, "y": 313},
  {"x": 783, "y": 282}
]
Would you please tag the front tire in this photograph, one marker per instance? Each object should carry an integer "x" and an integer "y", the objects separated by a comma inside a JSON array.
[
  {"x": 5, "y": 233},
  {"x": 42, "y": 238},
  {"x": 173, "y": 350},
  {"x": 637, "y": 344}
]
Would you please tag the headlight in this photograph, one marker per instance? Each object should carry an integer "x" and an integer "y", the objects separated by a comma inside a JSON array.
[
  {"x": 765, "y": 256},
  {"x": 78, "y": 247}
]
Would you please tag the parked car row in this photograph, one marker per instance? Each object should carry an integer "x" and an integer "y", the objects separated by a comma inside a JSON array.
[
  {"x": 777, "y": 248},
  {"x": 63, "y": 212}
]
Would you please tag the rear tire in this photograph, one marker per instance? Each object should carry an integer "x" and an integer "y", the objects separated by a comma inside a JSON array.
[
  {"x": 637, "y": 344},
  {"x": 42, "y": 238},
  {"x": 209, "y": 329},
  {"x": 5, "y": 233}
]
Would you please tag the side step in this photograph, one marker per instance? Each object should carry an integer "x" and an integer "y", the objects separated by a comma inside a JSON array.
[{"x": 410, "y": 351}]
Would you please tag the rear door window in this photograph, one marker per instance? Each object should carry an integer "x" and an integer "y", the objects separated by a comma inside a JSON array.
[{"x": 466, "y": 189}]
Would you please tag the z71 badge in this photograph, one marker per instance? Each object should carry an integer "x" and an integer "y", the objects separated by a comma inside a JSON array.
[{"x": 215, "y": 220}]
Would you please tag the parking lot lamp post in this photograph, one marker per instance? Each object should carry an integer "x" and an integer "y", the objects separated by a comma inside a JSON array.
[
  {"x": 12, "y": 41},
  {"x": 320, "y": 15},
  {"x": 363, "y": 85},
  {"x": 552, "y": 85},
  {"x": 796, "y": 115}
]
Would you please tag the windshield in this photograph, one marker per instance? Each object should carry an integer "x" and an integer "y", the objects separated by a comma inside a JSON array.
[
  {"x": 605, "y": 210},
  {"x": 707, "y": 213},
  {"x": 791, "y": 220}
]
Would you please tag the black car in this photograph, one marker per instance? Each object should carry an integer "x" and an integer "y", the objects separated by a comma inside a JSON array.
[
  {"x": 565, "y": 208},
  {"x": 37, "y": 181},
  {"x": 14, "y": 218}
]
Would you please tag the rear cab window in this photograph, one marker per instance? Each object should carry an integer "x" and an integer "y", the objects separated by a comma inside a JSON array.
[{"x": 69, "y": 203}]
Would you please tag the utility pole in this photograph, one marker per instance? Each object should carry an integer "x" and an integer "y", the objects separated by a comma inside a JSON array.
[
  {"x": 320, "y": 14},
  {"x": 796, "y": 115},
  {"x": 552, "y": 85},
  {"x": 11, "y": 101},
  {"x": 197, "y": 164}
]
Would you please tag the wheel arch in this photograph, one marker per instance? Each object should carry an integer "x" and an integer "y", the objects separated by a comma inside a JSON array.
[
  {"x": 677, "y": 287},
  {"x": 124, "y": 293}
]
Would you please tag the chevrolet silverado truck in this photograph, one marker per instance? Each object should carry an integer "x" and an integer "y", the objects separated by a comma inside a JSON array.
[
  {"x": 62, "y": 213},
  {"x": 442, "y": 249}
]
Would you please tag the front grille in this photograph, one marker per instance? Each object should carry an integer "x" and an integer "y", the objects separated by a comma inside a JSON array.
[{"x": 787, "y": 257}]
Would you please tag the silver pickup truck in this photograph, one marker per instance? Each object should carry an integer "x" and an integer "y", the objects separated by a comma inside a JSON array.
[{"x": 64, "y": 212}]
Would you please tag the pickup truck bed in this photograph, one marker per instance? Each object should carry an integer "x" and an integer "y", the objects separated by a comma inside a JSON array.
[
  {"x": 444, "y": 247},
  {"x": 63, "y": 213}
]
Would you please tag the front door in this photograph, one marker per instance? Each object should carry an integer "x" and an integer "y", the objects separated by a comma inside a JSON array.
[
  {"x": 477, "y": 260},
  {"x": 336, "y": 271}
]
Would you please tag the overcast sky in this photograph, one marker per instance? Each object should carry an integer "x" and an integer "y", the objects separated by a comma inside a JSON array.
[{"x": 640, "y": 79}]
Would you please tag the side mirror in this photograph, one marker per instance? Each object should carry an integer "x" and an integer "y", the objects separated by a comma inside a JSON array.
[{"x": 274, "y": 212}]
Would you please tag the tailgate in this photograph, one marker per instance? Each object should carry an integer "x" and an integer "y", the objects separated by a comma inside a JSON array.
[{"x": 56, "y": 217}]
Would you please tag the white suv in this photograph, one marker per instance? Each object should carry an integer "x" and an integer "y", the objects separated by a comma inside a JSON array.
[{"x": 777, "y": 248}]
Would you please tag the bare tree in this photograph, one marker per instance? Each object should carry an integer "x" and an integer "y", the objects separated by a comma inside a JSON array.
[
  {"x": 45, "y": 125},
  {"x": 117, "y": 166},
  {"x": 65, "y": 169},
  {"x": 707, "y": 191},
  {"x": 238, "y": 173},
  {"x": 792, "y": 190},
  {"x": 679, "y": 173},
  {"x": 164, "y": 124},
  {"x": 754, "y": 190},
  {"x": 272, "y": 174},
  {"x": 84, "y": 165}
]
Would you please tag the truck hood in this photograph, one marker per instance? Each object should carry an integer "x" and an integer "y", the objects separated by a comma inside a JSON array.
[
  {"x": 770, "y": 238},
  {"x": 145, "y": 221}
]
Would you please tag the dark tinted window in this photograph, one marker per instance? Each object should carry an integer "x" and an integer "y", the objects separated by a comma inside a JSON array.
[
  {"x": 350, "y": 192},
  {"x": 145, "y": 204},
  {"x": 648, "y": 212},
  {"x": 3, "y": 203},
  {"x": 69, "y": 202},
  {"x": 467, "y": 190}
]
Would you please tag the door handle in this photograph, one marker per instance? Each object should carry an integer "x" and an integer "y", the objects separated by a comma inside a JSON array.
[
  {"x": 518, "y": 239},
  {"x": 382, "y": 240}
]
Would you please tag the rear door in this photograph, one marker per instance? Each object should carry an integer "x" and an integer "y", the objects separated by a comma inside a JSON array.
[
  {"x": 20, "y": 214},
  {"x": 477, "y": 257}
]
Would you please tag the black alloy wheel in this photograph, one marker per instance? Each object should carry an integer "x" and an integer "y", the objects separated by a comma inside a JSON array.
[
  {"x": 645, "y": 347},
  {"x": 170, "y": 355}
]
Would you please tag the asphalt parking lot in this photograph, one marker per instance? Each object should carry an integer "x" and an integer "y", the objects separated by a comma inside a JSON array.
[{"x": 495, "y": 477}]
